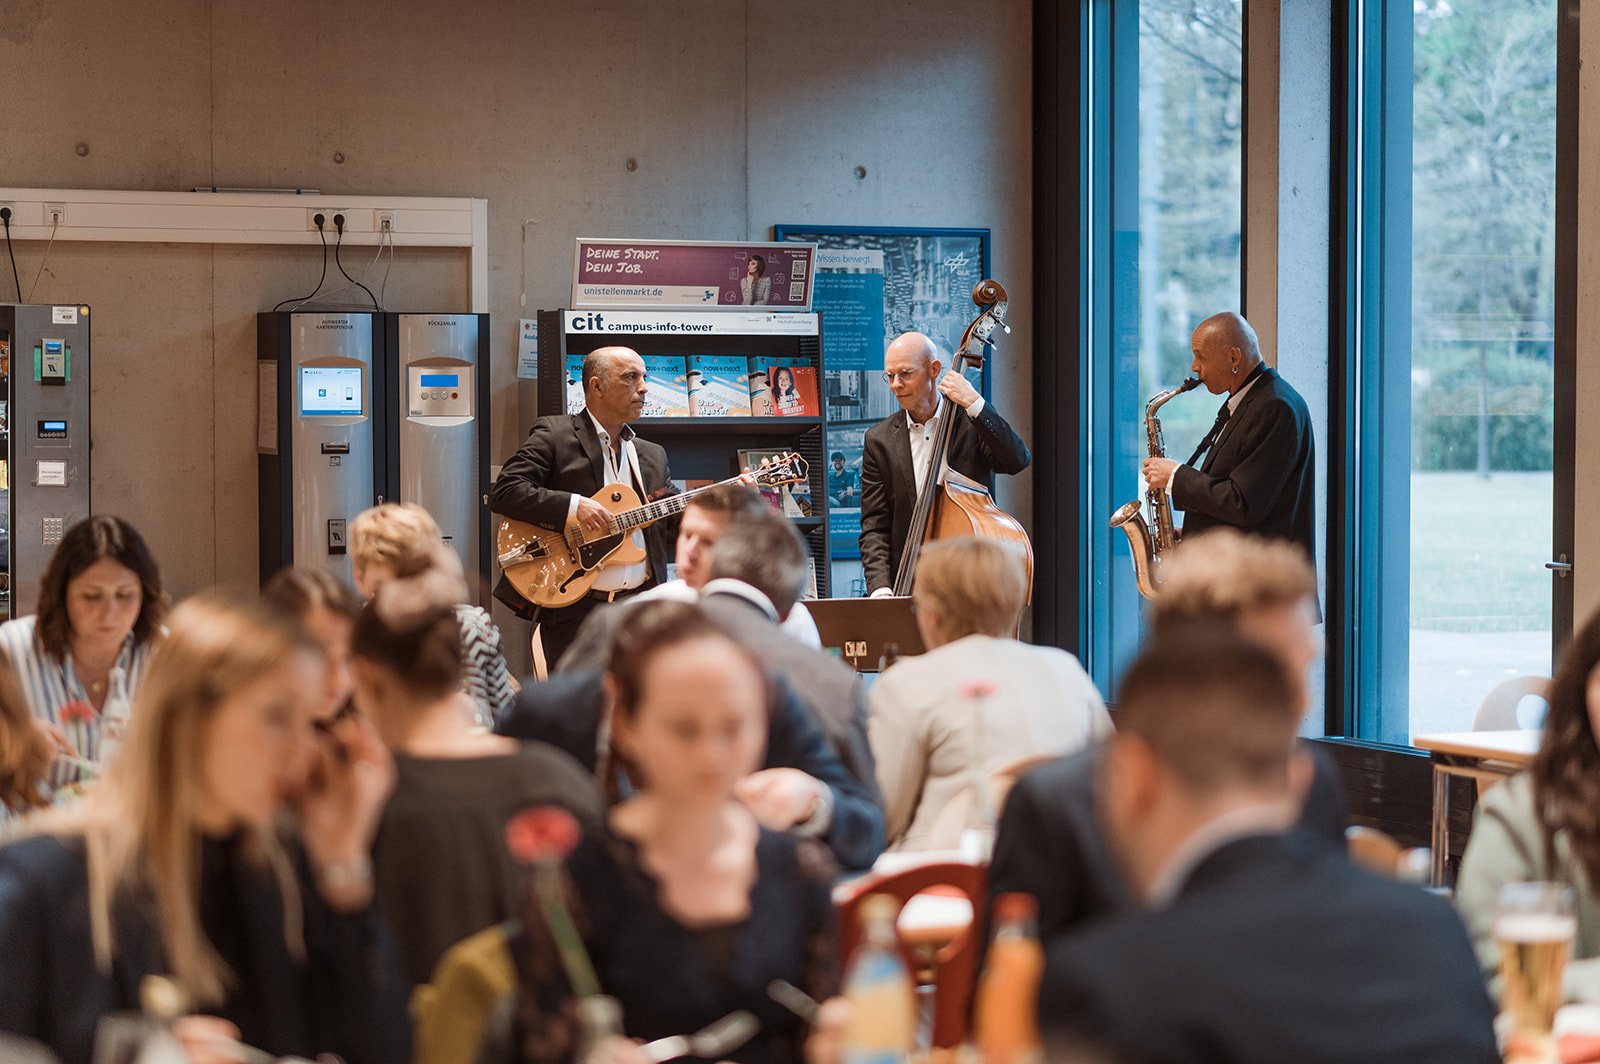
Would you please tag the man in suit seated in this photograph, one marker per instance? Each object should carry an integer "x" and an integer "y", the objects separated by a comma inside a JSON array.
[
  {"x": 1048, "y": 842},
  {"x": 1254, "y": 943},
  {"x": 807, "y": 784}
]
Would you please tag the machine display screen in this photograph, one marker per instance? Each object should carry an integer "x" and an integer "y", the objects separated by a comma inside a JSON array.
[
  {"x": 441, "y": 380},
  {"x": 330, "y": 391}
]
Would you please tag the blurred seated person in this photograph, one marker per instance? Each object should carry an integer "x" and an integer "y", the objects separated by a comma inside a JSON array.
[
  {"x": 81, "y": 658},
  {"x": 440, "y": 859},
  {"x": 571, "y": 711},
  {"x": 395, "y": 536},
  {"x": 1253, "y": 943},
  {"x": 26, "y": 750},
  {"x": 1048, "y": 843},
  {"x": 181, "y": 864},
  {"x": 326, "y": 609},
  {"x": 703, "y": 524},
  {"x": 1544, "y": 824},
  {"x": 758, "y": 569},
  {"x": 926, "y": 737},
  {"x": 689, "y": 907}
]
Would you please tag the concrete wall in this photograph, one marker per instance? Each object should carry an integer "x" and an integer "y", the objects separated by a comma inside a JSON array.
[{"x": 737, "y": 116}]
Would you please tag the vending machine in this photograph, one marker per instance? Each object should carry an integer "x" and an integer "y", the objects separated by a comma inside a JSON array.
[
  {"x": 44, "y": 441},
  {"x": 321, "y": 451},
  {"x": 438, "y": 389}
]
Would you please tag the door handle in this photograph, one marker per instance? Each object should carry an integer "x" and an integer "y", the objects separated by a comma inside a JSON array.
[{"x": 1561, "y": 567}]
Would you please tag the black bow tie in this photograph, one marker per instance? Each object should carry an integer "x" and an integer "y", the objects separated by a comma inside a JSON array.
[{"x": 1210, "y": 437}]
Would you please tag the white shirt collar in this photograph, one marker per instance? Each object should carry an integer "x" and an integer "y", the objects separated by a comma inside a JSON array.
[
  {"x": 725, "y": 585},
  {"x": 1238, "y": 397},
  {"x": 1263, "y": 819},
  {"x": 938, "y": 412}
]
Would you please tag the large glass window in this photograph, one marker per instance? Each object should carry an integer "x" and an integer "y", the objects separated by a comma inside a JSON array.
[
  {"x": 1476, "y": 81},
  {"x": 1166, "y": 165}
]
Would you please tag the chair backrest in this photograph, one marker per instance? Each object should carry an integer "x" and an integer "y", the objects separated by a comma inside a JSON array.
[
  {"x": 1498, "y": 710},
  {"x": 1374, "y": 850},
  {"x": 461, "y": 1017},
  {"x": 955, "y": 964}
]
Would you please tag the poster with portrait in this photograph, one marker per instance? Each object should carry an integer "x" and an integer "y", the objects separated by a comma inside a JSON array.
[{"x": 871, "y": 285}]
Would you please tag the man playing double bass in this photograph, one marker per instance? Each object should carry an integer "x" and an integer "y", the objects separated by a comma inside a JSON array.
[{"x": 896, "y": 451}]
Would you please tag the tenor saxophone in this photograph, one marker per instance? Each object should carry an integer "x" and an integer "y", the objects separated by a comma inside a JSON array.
[{"x": 1149, "y": 545}]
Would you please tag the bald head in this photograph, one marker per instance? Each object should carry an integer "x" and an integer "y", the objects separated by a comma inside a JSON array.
[
  {"x": 614, "y": 384},
  {"x": 912, "y": 365},
  {"x": 1225, "y": 351}
]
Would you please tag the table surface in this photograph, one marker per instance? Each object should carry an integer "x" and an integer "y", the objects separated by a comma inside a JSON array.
[{"x": 1517, "y": 746}]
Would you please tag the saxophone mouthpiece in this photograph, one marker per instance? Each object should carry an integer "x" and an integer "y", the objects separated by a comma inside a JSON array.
[{"x": 1188, "y": 382}]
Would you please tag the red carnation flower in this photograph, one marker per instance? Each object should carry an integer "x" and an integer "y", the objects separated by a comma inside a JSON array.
[
  {"x": 544, "y": 834},
  {"x": 78, "y": 711}
]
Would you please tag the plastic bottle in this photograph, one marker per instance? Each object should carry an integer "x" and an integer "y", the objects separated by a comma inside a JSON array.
[
  {"x": 114, "y": 716},
  {"x": 1008, "y": 995},
  {"x": 883, "y": 1017}
]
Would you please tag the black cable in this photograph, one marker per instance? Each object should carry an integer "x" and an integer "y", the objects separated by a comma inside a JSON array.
[
  {"x": 338, "y": 224},
  {"x": 321, "y": 232},
  {"x": 5, "y": 216}
]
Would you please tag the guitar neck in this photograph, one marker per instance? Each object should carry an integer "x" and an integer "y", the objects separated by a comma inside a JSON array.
[{"x": 651, "y": 512}]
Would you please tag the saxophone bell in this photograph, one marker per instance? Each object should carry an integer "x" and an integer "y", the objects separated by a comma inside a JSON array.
[{"x": 1148, "y": 544}]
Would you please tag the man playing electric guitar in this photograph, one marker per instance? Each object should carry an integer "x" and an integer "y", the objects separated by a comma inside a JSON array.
[{"x": 567, "y": 458}]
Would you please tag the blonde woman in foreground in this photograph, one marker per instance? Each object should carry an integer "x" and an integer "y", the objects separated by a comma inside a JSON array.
[{"x": 183, "y": 864}]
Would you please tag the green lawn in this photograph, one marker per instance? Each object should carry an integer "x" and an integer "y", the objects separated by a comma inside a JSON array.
[{"x": 1478, "y": 549}]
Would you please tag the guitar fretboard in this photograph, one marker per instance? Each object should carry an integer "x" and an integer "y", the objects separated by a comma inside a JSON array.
[{"x": 651, "y": 512}]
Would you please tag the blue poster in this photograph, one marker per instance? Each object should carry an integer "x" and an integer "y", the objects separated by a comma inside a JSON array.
[{"x": 851, "y": 305}]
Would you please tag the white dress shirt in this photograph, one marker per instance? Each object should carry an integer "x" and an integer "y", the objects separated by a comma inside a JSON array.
[
  {"x": 921, "y": 437},
  {"x": 623, "y": 469}
]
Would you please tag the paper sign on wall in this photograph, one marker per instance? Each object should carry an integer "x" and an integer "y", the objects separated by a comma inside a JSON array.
[{"x": 528, "y": 350}]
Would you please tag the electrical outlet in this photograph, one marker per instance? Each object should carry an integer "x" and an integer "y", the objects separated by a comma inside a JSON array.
[
  {"x": 55, "y": 213},
  {"x": 13, "y": 206},
  {"x": 383, "y": 221},
  {"x": 327, "y": 217}
]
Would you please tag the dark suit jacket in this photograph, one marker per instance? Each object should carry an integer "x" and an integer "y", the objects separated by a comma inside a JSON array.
[
  {"x": 346, "y": 996},
  {"x": 1260, "y": 476},
  {"x": 565, "y": 712},
  {"x": 1050, "y": 844},
  {"x": 560, "y": 458},
  {"x": 1277, "y": 949},
  {"x": 981, "y": 447}
]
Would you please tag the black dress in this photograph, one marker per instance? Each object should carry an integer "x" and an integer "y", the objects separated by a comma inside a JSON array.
[
  {"x": 344, "y": 995},
  {"x": 671, "y": 979},
  {"x": 440, "y": 856}
]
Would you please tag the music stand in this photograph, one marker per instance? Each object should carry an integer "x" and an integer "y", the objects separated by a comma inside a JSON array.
[{"x": 867, "y": 632}]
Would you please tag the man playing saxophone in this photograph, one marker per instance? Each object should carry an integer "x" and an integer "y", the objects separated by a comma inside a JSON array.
[{"x": 1256, "y": 469}]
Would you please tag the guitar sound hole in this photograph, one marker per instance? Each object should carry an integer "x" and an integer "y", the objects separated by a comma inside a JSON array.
[{"x": 616, "y": 496}]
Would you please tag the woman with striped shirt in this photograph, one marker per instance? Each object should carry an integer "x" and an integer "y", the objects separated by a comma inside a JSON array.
[{"x": 81, "y": 657}]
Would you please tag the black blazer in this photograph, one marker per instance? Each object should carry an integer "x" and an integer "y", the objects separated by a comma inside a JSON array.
[
  {"x": 1050, "y": 843},
  {"x": 560, "y": 458},
  {"x": 981, "y": 447},
  {"x": 346, "y": 996},
  {"x": 1277, "y": 949},
  {"x": 1261, "y": 474},
  {"x": 565, "y": 712}
]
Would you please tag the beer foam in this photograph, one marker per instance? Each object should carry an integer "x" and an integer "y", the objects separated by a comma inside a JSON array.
[{"x": 1535, "y": 927}]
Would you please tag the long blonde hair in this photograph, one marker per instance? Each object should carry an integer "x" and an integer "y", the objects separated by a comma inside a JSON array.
[{"x": 139, "y": 826}]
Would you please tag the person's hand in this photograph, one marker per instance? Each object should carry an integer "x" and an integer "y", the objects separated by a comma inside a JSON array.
[
  {"x": 55, "y": 737},
  {"x": 592, "y": 517},
  {"x": 882, "y": 592},
  {"x": 615, "y": 1049},
  {"x": 208, "y": 1040},
  {"x": 825, "y": 1043},
  {"x": 1158, "y": 472},
  {"x": 780, "y": 798},
  {"x": 343, "y": 797},
  {"x": 956, "y": 389}
]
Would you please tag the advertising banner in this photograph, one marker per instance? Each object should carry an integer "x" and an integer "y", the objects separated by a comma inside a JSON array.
[{"x": 691, "y": 275}]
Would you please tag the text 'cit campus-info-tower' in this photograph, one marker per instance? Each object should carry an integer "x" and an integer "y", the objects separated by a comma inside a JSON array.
[{"x": 362, "y": 408}]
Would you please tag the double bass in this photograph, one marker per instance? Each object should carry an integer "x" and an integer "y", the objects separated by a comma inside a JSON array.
[{"x": 951, "y": 504}]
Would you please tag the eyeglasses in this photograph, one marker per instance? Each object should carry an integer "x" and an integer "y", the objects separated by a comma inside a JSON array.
[{"x": 902, "y": 375}]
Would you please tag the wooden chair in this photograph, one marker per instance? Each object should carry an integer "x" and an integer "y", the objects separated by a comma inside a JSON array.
[
  {"x": 955, "y": 963},
  {"x": 1498, "y": 710},
  {"x": 1374, "y": 850}
]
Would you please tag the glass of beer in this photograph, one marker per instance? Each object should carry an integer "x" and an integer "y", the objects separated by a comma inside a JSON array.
[{"x": 1534, "y": 927}]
